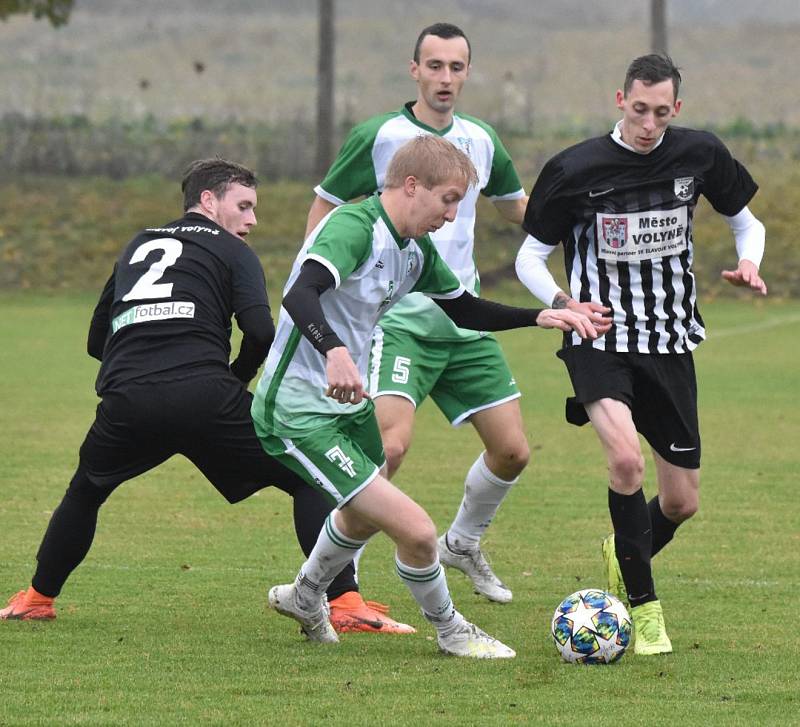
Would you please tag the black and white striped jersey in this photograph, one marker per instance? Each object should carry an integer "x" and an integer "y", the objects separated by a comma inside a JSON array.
[{"x": 626, "y": 223}]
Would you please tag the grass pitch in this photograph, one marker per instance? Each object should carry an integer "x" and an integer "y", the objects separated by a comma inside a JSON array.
[{"x": 165, "y": 622}]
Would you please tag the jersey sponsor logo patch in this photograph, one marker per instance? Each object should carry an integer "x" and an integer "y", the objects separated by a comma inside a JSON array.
[
  {"x": 153, "y": 312},
  {"x": 641, "y": 235},
  {"x": 684, "y": 188}
]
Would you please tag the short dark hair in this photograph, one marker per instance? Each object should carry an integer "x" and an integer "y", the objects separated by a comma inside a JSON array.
[
  {"x": 442, "y": 30},
  {"x": 653, "y": 68},
  {"x": 216, "y": 175}
]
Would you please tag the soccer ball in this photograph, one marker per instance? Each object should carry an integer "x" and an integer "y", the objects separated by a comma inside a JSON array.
[{"x": 591, "y": 627}]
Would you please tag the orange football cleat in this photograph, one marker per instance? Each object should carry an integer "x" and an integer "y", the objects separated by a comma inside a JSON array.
[
  {"x": 19, "y": 609},
  {"x": 350, "y": 613}
]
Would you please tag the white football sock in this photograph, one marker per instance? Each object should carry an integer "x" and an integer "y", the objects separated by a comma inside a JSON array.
[
  {"x": 428, "y": 585},
  {"x": 332, "y": 552},
  {"x": 483, "y": 493}
]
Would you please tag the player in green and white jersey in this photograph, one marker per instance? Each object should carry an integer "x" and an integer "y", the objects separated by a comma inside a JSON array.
[
  {"x": 311, "y": 408},
  {"x": 417, "y": 349}
]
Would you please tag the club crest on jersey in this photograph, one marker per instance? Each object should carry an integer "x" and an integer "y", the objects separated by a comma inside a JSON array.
[
  {"x": 389, "y": 295},
  {"x": 466, "y": 144},
  {"x": 615, "y": 231},
  {"x": 684, "y": 188},
  {"x": 412, "y": 263}
]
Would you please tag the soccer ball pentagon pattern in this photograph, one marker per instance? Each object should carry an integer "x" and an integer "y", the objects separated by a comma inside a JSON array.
[{"x": 591, "y": 627}]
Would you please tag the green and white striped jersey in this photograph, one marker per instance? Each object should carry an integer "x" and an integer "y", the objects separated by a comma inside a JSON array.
[
  {"x": 373, "y": 268},
  {"x": 360, "y": 169}
]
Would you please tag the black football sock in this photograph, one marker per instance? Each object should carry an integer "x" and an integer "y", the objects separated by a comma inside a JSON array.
[
  {"x": 69, "y": 535},
  {"x": 311, "y": 508},
  {"x": 663, "y": 527},
  {"x": 632, "y": 539}
]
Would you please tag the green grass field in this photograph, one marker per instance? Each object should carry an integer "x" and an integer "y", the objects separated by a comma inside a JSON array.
[{"x": 165, "y": 622}]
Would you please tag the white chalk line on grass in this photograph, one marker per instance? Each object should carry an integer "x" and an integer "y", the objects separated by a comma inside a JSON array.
[{"x": 752, "y": 327}]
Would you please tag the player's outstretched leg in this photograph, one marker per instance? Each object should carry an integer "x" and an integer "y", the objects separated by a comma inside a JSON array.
[
  {"x": 649, "y": 631},
  {"x": 66, "y": 542}
]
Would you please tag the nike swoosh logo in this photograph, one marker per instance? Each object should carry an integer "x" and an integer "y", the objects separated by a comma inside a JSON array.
[
  {"x": 600, "y": 194},
  {"x": 673, "y": 448}
]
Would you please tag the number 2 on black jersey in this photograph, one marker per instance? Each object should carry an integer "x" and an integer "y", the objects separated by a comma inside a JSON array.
[{"x": 147, "y": 286}]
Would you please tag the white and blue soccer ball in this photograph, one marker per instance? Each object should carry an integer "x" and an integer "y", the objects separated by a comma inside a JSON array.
[{"x": 591, "y": 627}]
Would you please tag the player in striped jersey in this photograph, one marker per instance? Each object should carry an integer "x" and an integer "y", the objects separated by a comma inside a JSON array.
[
  {"x": 417, "y": 350},
  {"x": 312, "y": 410},
  {"x": 622, "y": 205}
]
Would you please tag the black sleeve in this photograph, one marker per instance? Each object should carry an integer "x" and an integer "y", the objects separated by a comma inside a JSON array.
[
  {"x": 303, "y": 305},
  {"x": 259, "y": 331},
  {"x": 728, "y": 185},
  {"x": 249, "y": 285},
  {"x": 546, "y": 216},
  {"x": 101, "y": 320},
  {"x": 478, "y": 314}
]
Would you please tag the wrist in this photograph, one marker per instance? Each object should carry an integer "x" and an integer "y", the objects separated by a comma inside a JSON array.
[{"x": 561, "y": 300}]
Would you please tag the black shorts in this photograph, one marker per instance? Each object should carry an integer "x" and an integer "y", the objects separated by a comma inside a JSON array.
[
  {"x": 205, "y": 418},
  {"x": 659, "y": 389}
]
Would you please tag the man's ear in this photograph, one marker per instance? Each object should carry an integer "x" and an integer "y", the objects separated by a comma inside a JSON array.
[
  {"x": 410, "y": 185},
  {"x": 208, "y": 200}
]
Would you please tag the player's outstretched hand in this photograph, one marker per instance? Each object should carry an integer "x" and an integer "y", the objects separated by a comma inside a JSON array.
[
  {"x": 344, "y": 379},
  {"x": 567, "y": 320},
  {"x": 598, "y": 314},
  {"x": 746, "y": 275}
]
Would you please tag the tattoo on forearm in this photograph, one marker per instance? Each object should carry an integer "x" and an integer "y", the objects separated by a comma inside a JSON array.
[{"x": 560, "y": 300}]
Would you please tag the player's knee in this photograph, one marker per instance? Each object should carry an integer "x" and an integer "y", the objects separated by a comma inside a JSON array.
[
  {"x": 508, "y": 460},
  {"x": 679, "y": 510},
  {"x": 626, "y": 469},
  {"x": 81, "y": 488},
  {"x": 512, "y": 455},
  {"x": 395, "y": 450},
  {"x": 419, "y": 542}
]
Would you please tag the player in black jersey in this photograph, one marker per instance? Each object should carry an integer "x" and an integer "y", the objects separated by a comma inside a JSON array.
[
  {"x": 162, "y": 331},
  {"x": 622, "y": 205}
]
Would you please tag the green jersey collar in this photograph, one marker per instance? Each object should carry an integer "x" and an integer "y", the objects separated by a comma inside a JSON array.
[
  {"x": 402, "y": 243},
  {"x": 409, "y": 114}
]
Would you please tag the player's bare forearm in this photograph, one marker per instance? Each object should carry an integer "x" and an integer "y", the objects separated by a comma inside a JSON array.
[
  {"x": 512, "y": 209},
  {"x": 319, "y": 208}
]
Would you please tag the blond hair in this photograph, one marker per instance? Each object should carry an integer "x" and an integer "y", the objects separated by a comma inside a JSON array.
[{"x": 433, "y": 161}]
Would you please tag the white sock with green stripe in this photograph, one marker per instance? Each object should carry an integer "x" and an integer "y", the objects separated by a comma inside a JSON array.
[
  {"x": 332, "y": 552},
  {"x": 428, "y": 585},
  {"x": 483, "y": 493}
]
